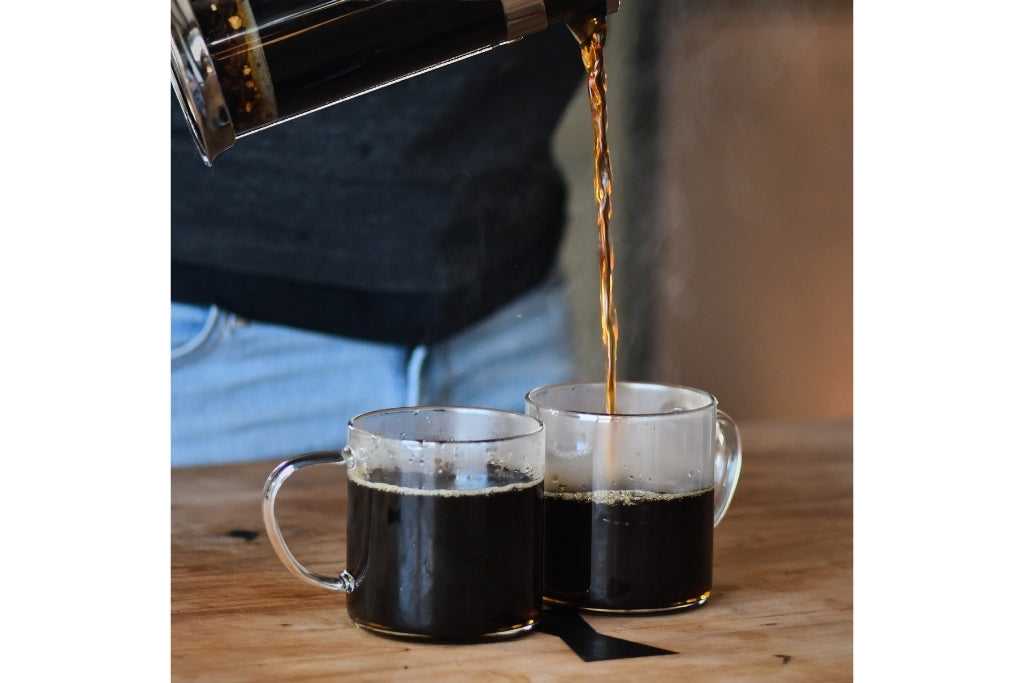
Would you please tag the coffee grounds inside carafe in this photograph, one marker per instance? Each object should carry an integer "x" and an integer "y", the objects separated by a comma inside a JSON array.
[{"x": 230, "y": 31}]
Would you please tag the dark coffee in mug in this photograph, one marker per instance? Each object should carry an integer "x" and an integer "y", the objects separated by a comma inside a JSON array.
[
  {"x": 431, "y": 571},
  {"x": 444, "y": 522},
  {"x": 654, "y": 549}
]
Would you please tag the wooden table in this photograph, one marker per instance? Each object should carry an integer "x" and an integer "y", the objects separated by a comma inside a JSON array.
[{"x": 781, "y": 606}]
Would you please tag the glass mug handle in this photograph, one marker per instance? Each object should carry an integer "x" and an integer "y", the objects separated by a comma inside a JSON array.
[
  {"x": 344, "y": 582},
  {"x": 728, "y": 460}
]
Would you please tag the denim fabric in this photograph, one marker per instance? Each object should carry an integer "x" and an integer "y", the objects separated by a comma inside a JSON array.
[
  {"x": 497, "y": 361},
  {"x": 243, "y": 390}
]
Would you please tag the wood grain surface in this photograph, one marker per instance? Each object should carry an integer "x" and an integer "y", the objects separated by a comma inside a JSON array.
[{"x": 781, "y": 606}]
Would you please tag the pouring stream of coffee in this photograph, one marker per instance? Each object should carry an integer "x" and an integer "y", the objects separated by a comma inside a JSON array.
[{"x": 591, "y": 34}]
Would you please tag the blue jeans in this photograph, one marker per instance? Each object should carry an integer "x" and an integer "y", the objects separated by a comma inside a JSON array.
[{"x": 244, "y": 390}]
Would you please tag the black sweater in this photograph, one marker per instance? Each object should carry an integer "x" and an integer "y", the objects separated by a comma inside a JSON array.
[{"x": 401, "y": 216}]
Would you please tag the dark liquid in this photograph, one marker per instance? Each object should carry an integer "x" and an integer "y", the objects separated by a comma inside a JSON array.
[
  {"x": 337, "y": 49},
  {"x": 630, "y": 551},
  {"x": 452, "y": 564},
  {"x": 347, "y": 48},
  {"x": 591, "y": 34}
]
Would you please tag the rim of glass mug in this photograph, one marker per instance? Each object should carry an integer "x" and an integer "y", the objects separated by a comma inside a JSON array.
[
  {"x": 364, "y": 423},
  {"x": 625, "y": 392}
]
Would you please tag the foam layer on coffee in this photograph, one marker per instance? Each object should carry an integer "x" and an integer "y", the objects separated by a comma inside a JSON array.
[
  {"x": 445, "y": 482},
  {"x": 622, "y": 496}
]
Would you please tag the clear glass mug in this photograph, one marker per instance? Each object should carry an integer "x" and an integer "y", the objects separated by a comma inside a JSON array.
[
  {"x": 631, "y": 499},
  {"x": 444, "y": 521}
]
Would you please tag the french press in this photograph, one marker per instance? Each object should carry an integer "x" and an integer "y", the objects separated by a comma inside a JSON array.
[{"x": 240, "y": 66}]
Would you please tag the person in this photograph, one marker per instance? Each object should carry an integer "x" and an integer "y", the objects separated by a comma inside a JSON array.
[{"x": 399, "y": 248}]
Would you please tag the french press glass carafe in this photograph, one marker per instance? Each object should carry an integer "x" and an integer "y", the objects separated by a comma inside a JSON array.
[{"x": 239, "y": 66}]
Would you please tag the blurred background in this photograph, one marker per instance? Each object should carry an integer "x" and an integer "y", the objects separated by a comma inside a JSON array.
[{"x": 731, "y": 135}]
